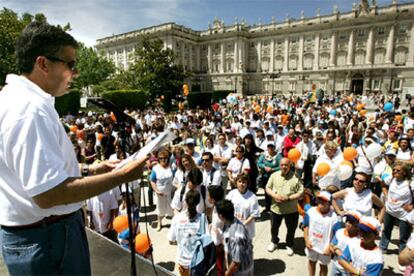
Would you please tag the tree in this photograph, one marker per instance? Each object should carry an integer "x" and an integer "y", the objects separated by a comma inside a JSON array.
[
  {"x": 153, "y": 70},
  {"x": 93, "y": 68},
  {"x": 11, "y": 26}
]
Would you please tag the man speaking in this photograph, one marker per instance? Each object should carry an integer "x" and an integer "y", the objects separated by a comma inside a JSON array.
[{"x": 41, "y": 188}]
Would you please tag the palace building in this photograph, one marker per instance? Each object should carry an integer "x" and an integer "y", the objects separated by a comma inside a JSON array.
[{"x": 367, "y": 49}]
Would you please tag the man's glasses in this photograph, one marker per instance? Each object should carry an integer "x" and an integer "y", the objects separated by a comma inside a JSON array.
[
  {"x": 71, "y": 64},
  {"x": 359, "y": 180},
  {"x": 206, "y": 160}
]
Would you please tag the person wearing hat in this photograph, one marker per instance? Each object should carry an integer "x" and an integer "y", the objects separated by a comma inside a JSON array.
[
  {"x": 342, "y": 238},
  {"x": 362, "y": 256},
  {"x": 318, "y": 225},
  {"x": 190, "y": 150},
  {"x": 307, "y": 159},
  {"x": 279, "y": 137}
]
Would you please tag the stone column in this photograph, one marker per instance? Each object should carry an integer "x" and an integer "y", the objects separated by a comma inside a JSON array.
[
  {"x": 316, "y": 53},
  {"x": 209, "y": 58},
  {"x": 351, "y": 49},
  {"x": 259, "y": 57},
  {"x": 332, "y": 59},
  {"x": 410, "y": 58},
  {"x": 222, "y": 58},
  {"x": 272, "y": 55},
  {"x": 300, "y": 63},
  {"x": 125, "y": 59},
  {"x": 236, "y": 57},
  {"x": 182, "y": 56},
  {"x": 370, "y": 47},
  {"x": 198, "y": 58},
  {"x": 389, "y": 56},
  {"x": 286, "y": 55},
  {"x": 190, "y": 56}
]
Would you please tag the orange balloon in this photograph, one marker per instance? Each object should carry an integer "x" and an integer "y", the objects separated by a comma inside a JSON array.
[
  {"x": 73, "y": 128},
  {"x": 294, "y": 155},
  {"x": 363, "y": 112},
  {"x": 359, "y": 107},
  {"x": 398, "y": 118},
  {"x": 269, "y": 109},
  {"x": 345, "y": 162},
  {"x": 142, "y": 243},
  {"x": 113, "y": 117},
  {"x": 120, "y": 223},
  {"x": 323, "y": 169},
  {"x": 257, "y": 108},
  {"x": 350, "y": 153}
]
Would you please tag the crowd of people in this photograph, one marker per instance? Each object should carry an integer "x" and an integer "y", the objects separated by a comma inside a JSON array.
[{"x": 207, "y": 179}]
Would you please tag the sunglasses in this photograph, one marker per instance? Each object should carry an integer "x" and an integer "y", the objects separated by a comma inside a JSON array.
[
  {"x": 359, "y": 180},
  {"x": 206, "y": 160},
  {"x": 396, "y": 170},
  {"x": 162, "y": 158},
  {"x": 240, "y": 151},
  {"x": 71, "y": 64}
]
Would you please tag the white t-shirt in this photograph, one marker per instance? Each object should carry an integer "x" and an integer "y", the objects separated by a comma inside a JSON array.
[
  {"x": 163, "y": 178},
  {"x": 237, "y": 166},
  {"x": 216, "y": 230},
  {"x": 101, "y": 206},
  {"x": 399, "y": 195},
  {"x": 361, "y": 202},
  {"x": 245, "y": 205},
  {"x": 225, "y": 152},
  {"x": 211, "y": 178},
  {"x": 320, "y": 228},
  {"x": 184, "y": 231},
  {"x": 36, "y": 154}
]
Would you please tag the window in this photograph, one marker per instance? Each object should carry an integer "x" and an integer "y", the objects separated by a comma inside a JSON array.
[
  {"x": 309, "y": 38},
  {"x": 278, "y": 86},
  {"x": 397, "y": 84},
  {"x": 229, "y": 66},
  {"x": 402, "y": 29},
  {"x": 376, "y": 85},
  {"x": 342, "y": 35},
  {"x": 341, "y": 59},
  {"x": 379, "y": 57},
  {"x": 216, "y": 46},
  {"x": 381, "y": 30},
  {"x": 401, "y": 56},
  {"x": 324, "y": 61},
  {"x": 359, "y": 57},
  {"x": 361, "y": 33},
  {"x": 292, "y": 86},
  {"x": 308, "y": 62},
  {"x": 293, "y": 63},
  {"x": 265, "y": 64},
  {"x": 279, "y": 63}
]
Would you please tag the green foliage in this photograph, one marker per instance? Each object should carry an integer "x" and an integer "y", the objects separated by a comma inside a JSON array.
[
  {"x": 93, "y": 69},
  {"x": 220, "y": 94},
  {"x": 195, "y": 88},
  {"x": 153, "y": 70},
  {"x": 201, "y": 99},
  {"x": 134, "y": 99},
  {"x": 69, "y": 103},
  {"x": 108, "y": 85}
]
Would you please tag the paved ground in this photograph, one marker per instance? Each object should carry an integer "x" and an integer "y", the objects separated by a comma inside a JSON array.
[{"x": 265, "y": 263}]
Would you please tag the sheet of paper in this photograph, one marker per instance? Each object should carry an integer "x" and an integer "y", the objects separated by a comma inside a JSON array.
[{"x": 163, "y": 139}]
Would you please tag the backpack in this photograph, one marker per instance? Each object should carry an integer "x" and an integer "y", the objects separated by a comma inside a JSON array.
[{"x": 204, "y": 256}]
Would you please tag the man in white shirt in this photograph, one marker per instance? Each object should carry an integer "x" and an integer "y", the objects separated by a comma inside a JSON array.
[
  {"x": 211, "y": 175},
  {"x": 40, "y": 179}
]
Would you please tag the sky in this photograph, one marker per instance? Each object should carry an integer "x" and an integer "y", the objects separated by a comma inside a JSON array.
[{"x": 94, "y": 19}]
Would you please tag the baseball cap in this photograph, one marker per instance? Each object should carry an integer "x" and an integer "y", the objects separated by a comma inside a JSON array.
[
  {"x": 270, "y": 144},
  {"x": 391, "y": 151},
  {"x": 353, "y": 215},
  {"x": 369, "y": 224},
  {"x": 269, "y": 133},
  {"x": 189, "y": 141},
  {"x": 324, "y": 195}
]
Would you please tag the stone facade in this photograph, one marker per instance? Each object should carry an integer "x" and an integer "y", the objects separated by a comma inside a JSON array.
[{"x": 367, "y": 49}]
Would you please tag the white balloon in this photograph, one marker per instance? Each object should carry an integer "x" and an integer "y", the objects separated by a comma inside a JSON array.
[
  {"x": 344, "y": 172},
  {"x": 373, "y": 151}
]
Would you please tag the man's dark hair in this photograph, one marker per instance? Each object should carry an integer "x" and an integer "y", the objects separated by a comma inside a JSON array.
[
  {"x": 226, "y": 209},
  {"x": 40, "y": 39},
  {"x": 207, "y": 153},
  {"x": 195, "y": 176},
  {"x": 216, "y": 192}
]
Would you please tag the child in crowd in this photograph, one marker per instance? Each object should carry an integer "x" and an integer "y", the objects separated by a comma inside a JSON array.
[
  {"x": 342, "y": 238},
  {"x": 216, "y": 194},
  {"x": 238, "y": 246},
  {"x": 364, "y": 257},
  {"x": 246, "y": 205},
  {"x": 318, "y": 231}
]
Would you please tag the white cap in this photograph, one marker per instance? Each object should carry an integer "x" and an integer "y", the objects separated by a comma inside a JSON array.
[
  {"x": 190, "y": 141},
  {"x": 324, "y": 195}
]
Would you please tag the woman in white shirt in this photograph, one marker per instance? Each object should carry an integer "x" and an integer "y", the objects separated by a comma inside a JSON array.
[
  {"x": 246, "y": 205},
  {"x": 238, "y": 165},
  {"x": 185, "y": 165},
  {"x": 358, "y": 198},
  {"x": 404, "y": 151},
  {"x": 161, "y": 181},
  {"x": 398, "y": 205}
]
